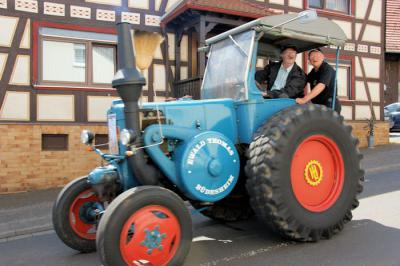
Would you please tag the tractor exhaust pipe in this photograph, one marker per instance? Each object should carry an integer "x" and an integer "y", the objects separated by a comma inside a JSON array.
[{"x": 129, "y": 84}]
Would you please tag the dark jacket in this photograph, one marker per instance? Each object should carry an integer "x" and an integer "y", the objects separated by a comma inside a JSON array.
[{"x": 295, "y": 82}]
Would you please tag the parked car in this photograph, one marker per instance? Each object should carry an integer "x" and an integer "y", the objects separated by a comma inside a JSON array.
[{"x": 392, "y": 114}]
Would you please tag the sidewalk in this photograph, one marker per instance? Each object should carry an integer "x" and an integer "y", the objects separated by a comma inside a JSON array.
[{"x": 29, "y": 213}]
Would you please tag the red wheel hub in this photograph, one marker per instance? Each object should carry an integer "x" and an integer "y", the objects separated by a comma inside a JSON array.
[
  {"x": 83, "y": 227},
  {"x": 317, "y": 173},
  {"x": 150, "y": 236}
]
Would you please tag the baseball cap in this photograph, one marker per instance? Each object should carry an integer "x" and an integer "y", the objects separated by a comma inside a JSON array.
[{"x": 291, "y": 46}]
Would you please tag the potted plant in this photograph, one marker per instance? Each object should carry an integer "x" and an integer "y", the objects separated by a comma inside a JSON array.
[{"x": 370, "y": 131}]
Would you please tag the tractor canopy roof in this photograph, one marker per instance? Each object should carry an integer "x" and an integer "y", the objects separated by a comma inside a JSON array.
[{"x": 304, "y": 35}]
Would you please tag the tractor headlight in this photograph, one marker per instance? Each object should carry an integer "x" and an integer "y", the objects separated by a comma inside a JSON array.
[
  {"x": 87, "y": 137},
  {"x": 126, "y": 137}
]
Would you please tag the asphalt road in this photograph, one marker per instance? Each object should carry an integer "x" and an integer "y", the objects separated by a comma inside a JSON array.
[{"x": 372, "y": 238}]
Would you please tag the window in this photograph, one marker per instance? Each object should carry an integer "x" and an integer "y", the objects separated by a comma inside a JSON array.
[
  {"x": 54, "y": 142},
  {"x": 344, "y": 81},
  {"x": 345, "y": 84},
  {"x": 332, "y": 5},
  {"x": 101, "y": 139},
  {"x": 74, "y": 58}
]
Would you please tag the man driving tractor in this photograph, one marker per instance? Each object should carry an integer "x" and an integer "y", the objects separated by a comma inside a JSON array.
[{"x": 283, "y": 79}]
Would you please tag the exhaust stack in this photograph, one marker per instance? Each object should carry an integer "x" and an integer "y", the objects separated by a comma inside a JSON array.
[{"x": 129, "y": 84}]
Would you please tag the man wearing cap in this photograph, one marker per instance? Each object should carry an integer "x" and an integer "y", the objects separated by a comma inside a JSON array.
[
  {"x": 284, "y": 79},
  {"x": 321, "y": 79}
]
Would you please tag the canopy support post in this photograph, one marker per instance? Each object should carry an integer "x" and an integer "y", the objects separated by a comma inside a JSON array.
[{"x": 335, "y": 82}]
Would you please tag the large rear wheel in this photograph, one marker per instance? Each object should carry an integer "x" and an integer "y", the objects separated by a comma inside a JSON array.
[{"x": 304, "y": 173}]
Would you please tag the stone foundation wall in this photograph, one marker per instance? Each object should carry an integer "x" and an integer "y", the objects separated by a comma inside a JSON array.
[
  {"x": 24, "y": 166},
  {"x": 360, "y": 132}
]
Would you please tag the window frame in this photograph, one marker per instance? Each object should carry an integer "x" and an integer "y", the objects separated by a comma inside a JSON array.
[
  {"x": 36, "y": 56},
  {"x": 88, "y": 58},
  {"x": 347, "y": 64},
  {"x": 351, "y": 11},
  {"x": 344, "y": 60},
  {"x": 90, "y": 71},
  {"x": 49, "y": 142}
]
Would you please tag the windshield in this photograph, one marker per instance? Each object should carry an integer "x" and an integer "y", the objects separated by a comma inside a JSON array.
[
  {"x": 226, "y": 70},
  {"x": 393, "y": 107}
]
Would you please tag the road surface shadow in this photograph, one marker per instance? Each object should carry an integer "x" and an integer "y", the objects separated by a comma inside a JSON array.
[{"x": 362, "y": 242}]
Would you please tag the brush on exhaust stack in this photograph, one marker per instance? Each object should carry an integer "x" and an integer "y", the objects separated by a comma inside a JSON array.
[{"x": 146, "y": 44}]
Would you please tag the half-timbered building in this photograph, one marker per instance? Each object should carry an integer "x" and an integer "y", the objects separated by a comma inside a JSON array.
[
  {"x": 57, "y": 59},
  {"x": 392, "y": 52}
]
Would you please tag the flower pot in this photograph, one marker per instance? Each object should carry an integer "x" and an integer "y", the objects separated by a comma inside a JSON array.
[{"x": 371, "y": 141}]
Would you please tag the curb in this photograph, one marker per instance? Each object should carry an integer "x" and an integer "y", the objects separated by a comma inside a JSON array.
[
  {"x": 378, "y": 169},
  {"x": 24, "y": 232}
]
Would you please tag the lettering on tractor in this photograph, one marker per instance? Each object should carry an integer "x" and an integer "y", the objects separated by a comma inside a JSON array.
[
  {"x": 296, "y": 166},
  {"x": 194, "y": 151},
  {"x": 221, "y": 189}
]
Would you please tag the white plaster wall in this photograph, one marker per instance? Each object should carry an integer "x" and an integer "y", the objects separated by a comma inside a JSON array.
[
  {"x": 372, "y": 67},
  {"x": 358, "y": 67},
  {"x": 361, "y": 94},
  {"x": 363, "y": 112},
  {"x": 374, "y": 89},
  {"x": 106, "y": 2},
  {"x": 184, "y": 72},
  {"x": 21, "y": 71},
  {"x": 98, "y": 106},
  {"x": 361, "y": 8},
  {"x": 145, "y": 73},
  {"x": 376, "y": 12},
  {"x": 299, "y": 60},
  {"x": 279, "y": 2},
  {"x": 3, "y": 60},
  {"x": 184, "y": 48},
  {"x": 358, "y": 30},
  {"x": 347, "y": 112},
  {"x": 7, "y": 30},
  {"x": 170, "y": 4},
  {"x": 15, "y": 106},
  {"x": 158, "y": 52},
  {"x": 143, "y": 4},
  {"x": 171, "y": 46},
  {"x": 372, "y": 33},
  {"x": 159, "y": 77},
  {"x": 377, "y": 112},
  {"x": 296, "y": 3},
  {"x": 346, "y": 27},
  {"x": 158, "y": 4},
  {"x": 55, "y": 107},
  {"x": 26, "y": 37}
]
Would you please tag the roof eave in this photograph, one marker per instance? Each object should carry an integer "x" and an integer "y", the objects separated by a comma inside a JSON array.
[{"x": 168, "y": 17}]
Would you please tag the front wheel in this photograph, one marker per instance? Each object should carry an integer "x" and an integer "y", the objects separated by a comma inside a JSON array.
[
  {"x": 145, "y": 226},
  {"x": 75, "y": 215}
]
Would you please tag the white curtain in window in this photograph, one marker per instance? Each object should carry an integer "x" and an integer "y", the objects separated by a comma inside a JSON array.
[
  {"x": 63, "y": 61},
  {"x": 343, "y": 81},
  {"x": 315, "y": 3},
  {"x": 103, "y": 64},
  {"x": 339, "y": 5}
]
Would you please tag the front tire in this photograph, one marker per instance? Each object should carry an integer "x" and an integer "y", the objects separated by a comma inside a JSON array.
[
  {"x": 304, "y": 173},
  {"x": 70, "y": 216},
  {"x": 145, "y": 224}
]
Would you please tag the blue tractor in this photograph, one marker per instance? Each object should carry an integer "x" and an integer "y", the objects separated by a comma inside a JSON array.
[{"x": 231, "y": 154}]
